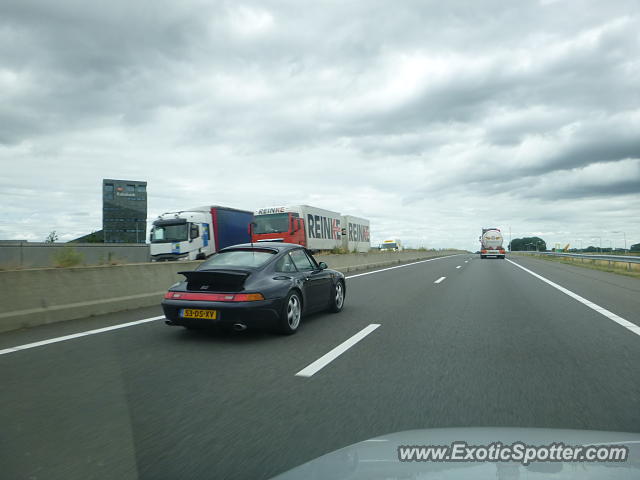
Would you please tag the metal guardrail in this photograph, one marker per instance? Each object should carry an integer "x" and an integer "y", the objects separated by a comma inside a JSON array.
[{"x": 611, "y": 258}]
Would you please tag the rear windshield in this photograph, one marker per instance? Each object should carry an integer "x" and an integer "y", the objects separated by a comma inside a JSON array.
[{"x": 238, "y": 258}]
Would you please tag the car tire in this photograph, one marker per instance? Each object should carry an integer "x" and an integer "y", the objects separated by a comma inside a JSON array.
[
  {"x": 337, "y": 297},
  {"x": 291, "y": 314},
  {"x": 482, "y": 257}
]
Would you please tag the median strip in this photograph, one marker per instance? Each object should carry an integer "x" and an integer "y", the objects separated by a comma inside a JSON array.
[
  {"x": 329, "y": 357},
  {"x": 603, "y": 311}
]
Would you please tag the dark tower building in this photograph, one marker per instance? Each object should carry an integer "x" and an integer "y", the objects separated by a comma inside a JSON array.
[{"x": 124, "y": 211}]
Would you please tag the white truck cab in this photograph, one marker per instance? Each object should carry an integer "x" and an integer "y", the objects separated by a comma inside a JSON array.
[{"x": 184, "y": 235}]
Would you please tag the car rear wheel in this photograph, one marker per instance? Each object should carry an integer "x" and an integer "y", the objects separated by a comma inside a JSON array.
[
  {"x": 291, "y": 314},
  {"x": 337, "y": 299}
]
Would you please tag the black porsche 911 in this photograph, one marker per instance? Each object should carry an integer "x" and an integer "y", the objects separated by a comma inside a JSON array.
[{"x": 267, "y": 285}]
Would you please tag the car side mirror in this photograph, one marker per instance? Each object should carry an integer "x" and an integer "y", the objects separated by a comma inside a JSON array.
[{"x": 323, "y": 266}]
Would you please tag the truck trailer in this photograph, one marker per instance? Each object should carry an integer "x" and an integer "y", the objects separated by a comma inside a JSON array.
[
  {"x": 199, "y": 232},
  {"x": 356, "y": 235},
  {"x": 314, "y": 228},
  {"x": 491, "y": 243}
]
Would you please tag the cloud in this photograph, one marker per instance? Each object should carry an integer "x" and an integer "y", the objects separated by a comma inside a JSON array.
[{"x": 430, "y": 118}]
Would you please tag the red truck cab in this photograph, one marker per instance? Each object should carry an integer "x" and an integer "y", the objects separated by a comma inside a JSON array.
[{"x": 286, "y": 227}]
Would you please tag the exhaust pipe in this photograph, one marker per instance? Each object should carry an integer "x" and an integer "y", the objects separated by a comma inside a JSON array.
[{"x": 239, "y": 327}]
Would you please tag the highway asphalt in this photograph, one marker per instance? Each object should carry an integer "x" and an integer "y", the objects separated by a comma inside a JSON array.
[{"x": 489, "y": 345}]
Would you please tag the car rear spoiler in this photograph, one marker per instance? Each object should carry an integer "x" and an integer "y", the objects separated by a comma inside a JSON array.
[{"x": 216, "y": 280}]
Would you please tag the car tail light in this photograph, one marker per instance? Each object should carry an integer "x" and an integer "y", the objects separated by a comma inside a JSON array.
[
  {"x": 248, "y": 297},
  {"x": 483, "y": 251},
  {"x": 171, "y": 295},
  {"x": 215, "y": 297}
]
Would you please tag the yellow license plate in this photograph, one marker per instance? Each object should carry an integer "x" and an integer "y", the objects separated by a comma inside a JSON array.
[{"x": 197, "y": 313}]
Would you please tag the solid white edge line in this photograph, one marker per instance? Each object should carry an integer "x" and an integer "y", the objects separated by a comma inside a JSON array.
[
  {"x": 145, "y": 320},
  {"x": 440, "y": 280},
  {"x": 330, "y": 356},
  {"x": 402, "y": 266},
  {"x": 603, "y": 311},
  {"x": 76, "y": 335}
]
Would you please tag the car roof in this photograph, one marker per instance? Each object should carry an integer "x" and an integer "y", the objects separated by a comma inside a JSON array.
[{"x": 278, "y": 246}]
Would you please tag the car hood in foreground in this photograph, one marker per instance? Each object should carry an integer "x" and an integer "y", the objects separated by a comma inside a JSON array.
[{"x": 377, "y": 458}]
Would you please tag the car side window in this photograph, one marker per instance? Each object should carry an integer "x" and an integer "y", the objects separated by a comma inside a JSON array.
[
  {"x": 301, "y": 260},
  {"x": 312, "y": 259},
  {"x": 285, "y": 264}
]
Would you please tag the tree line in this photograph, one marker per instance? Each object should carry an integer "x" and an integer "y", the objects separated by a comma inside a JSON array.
[{"x": 537, "y": 243}]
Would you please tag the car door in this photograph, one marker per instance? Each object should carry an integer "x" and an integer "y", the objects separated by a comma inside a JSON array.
[{"x": 317, "y": 282}]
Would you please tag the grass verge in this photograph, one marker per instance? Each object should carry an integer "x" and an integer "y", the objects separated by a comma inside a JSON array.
[{"x": 591, "y": 265}]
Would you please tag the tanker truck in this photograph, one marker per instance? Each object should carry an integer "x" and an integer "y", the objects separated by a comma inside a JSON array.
[{"x": 491, "y": 243}]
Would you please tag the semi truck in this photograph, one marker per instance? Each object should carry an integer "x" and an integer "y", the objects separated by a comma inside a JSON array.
[
  {"x": 314, "y": 228},
  {"x": 391, "y": 245},
  {"x": 199, "y": 232},
  {"x": 491, "y": 243}
]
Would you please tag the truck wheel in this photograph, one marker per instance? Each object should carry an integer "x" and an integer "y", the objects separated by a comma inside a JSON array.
[
  {"x": 337, "y": 297},
  {"x": 291, "y": 314}
]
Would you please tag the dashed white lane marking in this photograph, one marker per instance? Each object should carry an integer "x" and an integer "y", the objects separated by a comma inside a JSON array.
[
  {"x": 440, "y": 280},
  {"x": 459, "y": 266},
  {"x": 330, "y": 356}
]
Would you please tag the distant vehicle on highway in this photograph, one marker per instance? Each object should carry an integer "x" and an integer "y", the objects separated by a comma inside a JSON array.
[
  {"x": 270, "y": 285},
  {"x": 391, "y": 245},
  {"x": 197, "y": 233},
  {"x": 312, "y": 227},
  {"x": 491, "y": 243}
]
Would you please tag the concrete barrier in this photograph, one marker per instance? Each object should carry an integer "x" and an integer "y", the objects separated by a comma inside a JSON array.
[
  {"x": 42, "y": 255},
  {"x": 40, "y": 296}
]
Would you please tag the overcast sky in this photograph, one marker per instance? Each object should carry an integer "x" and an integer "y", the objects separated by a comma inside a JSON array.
[{"x": 430, "y": 118}]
